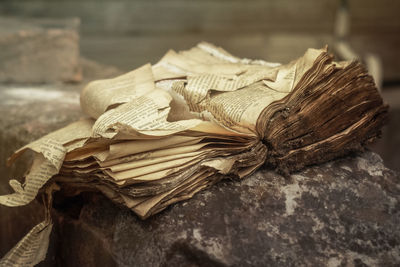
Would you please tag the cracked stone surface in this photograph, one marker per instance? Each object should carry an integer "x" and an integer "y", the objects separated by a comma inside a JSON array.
[{"x": 342, "y": 213}]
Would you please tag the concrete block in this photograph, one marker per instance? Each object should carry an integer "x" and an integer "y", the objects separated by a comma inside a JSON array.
[{"x": 39, "y": 50}]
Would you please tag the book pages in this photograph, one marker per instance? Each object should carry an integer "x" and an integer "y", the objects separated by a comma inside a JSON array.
[{"x": 100, "y": 95}]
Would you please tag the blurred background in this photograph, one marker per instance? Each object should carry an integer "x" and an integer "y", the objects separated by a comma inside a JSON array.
[{"x": 127, "y": 34}]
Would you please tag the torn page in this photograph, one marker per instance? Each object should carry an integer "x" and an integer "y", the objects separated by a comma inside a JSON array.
[
  {"x": 197, "y": 88},
  {"x": 240, "y": 110},
  {"x": 31, "y": 249},
  {"x": 98, "y": 96},
  {"x": 204, "y": 59},
  {"x": 145, "y": 115},
  {"x": 45, "y": 165},
  {"x": 50, "y": 153},
  {"x": 289, "y": 75}
]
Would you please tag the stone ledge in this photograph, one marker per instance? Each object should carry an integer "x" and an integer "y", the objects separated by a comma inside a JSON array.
[{"x": 344, "y": 212}]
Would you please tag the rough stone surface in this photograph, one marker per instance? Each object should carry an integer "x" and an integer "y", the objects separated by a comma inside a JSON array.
[
  {"x": 388, "y": 145},
  {"x": 342, "y": 213},
  {"x": 39, "y": 51},
  {"x": 27, "y": 113}
]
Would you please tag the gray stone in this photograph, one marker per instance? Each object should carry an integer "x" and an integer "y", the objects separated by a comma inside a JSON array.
[
  {"x": 342, "y": 213},
  {"x": 39, "y": 50}
]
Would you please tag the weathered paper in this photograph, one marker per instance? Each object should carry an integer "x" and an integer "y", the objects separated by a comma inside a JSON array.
[
  {"x": 146, "y": 115},
  {"x": 144, "y": 208},
  {"x": 71, "y": 136},
  {"x": 45, "y": 165},
  {"x": 205, "y": 59},
  {"x": 153, "y": 154},
  {"x": 123, "y": 149},
  {"x": 197, "y": 88},
  {"x": 99, "y": 96},
  {"x": 290, "y": 74},
  {"x": 238, "y": 102},
  {"x": 240, "y": 110},
  {"x": 139, "y": 172},
  {"x": 152, "y": 161},
  {"x": 50, "y": 153},
  {"x": 31, "y": 249}
]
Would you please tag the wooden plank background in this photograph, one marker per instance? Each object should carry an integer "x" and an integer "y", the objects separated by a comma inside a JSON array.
[{"x": 130, "y": 33}]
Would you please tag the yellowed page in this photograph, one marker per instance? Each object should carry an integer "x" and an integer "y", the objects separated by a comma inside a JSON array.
[
  {"x": 150, "y": 162},
  {"x": 31, "y": 249},
  {"x": 133, "y": 173},
  {"x": 237, "y": 104},
  {"x": 144, "y": 207},
  {"x": 222, "y": 165},
  {"x": 145, "y": 115},
  {"x": 290, "y": 74},
  {"x": 218, "y": 52},
  {"x": 204, "y": 58},
  {"x": 176, "y": 65},
  {"x": 79, "y": 164},
  {"x": 50, "y": 153},
  {"x": 100, "y": 95},
  {"x": 197, "y": 88},
  {"x": 46, "y": 164},
  {"x": 147, "y": 177},
  {"x": 133, "y": 147},
  {"x": 77, "y": 131},
  {"x": 240, "y": 110},
  {"x": 85, "y": 154},
  {"x": 211, "y": 127},
  {"x": 126, "y": 155},
  {"x": 154, "y": 176},
  {"x": 79, "y": 171},
  {"x": 154, "y": 154},
  {"x": 132, "y": 202}
]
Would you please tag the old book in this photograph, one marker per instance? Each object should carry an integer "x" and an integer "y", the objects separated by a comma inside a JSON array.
[{"x": 161, "y": 133}]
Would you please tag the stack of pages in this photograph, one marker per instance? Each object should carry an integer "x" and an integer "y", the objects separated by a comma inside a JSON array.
[{"x": 161, "y": 133}]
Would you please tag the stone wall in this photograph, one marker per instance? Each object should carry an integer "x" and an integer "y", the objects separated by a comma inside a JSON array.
[
  {"x": 39, "y": 50},
  {"x": 166, "y": 16},
  {"x": 275, "y": 30}
]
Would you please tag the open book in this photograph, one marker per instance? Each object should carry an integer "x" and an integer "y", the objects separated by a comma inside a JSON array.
[{"x": 161, "y": 133}]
